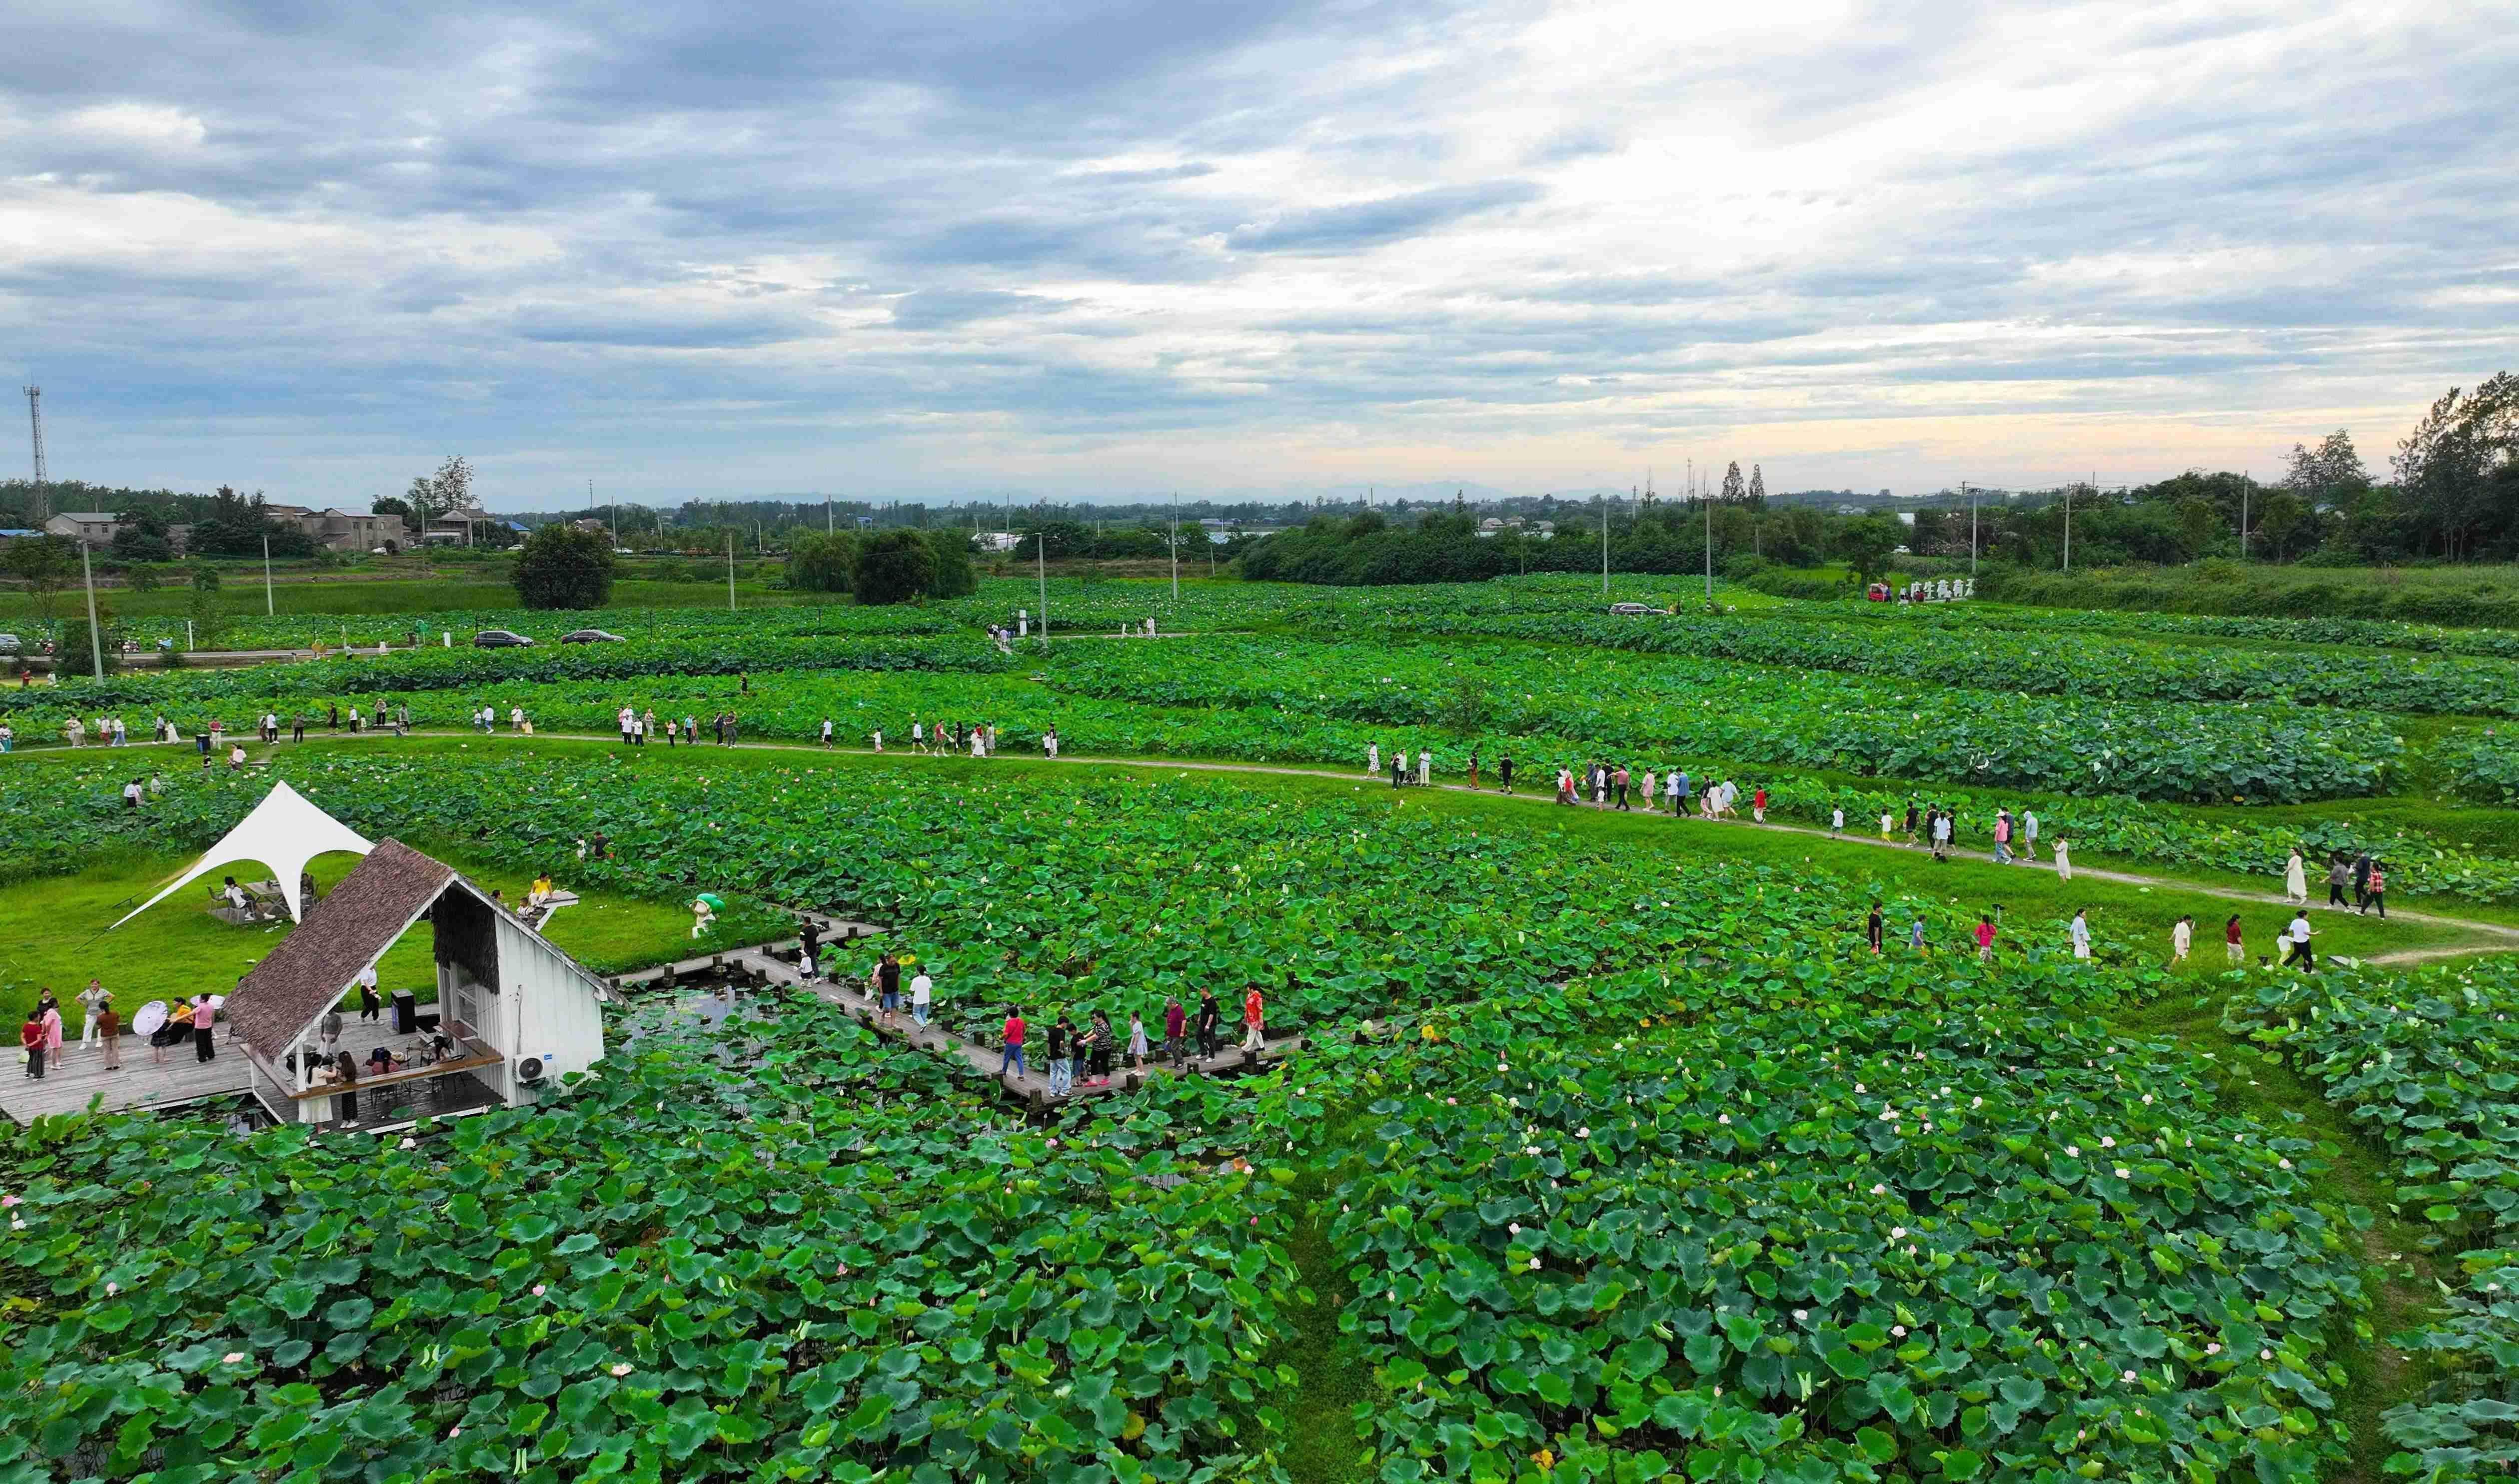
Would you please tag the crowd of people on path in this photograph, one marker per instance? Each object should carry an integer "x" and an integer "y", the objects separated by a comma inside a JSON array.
[
  {"x": 2359, "y": 872},
  {"x": 1076, "y": 1048},
  {"x": 2292, "y": 942},
  {"x": 42, "y": 1042},
  {"x": 1086, "y": 1056}
]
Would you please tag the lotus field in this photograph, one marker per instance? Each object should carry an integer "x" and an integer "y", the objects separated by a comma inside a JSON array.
[{"x": 1608, "y": 1152}]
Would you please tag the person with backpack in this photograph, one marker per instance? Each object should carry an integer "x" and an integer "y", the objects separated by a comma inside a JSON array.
[{"x": 2375, "y": 895}]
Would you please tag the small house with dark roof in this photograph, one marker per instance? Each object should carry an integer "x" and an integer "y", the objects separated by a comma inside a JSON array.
[{"x": 515, "y": 1014}]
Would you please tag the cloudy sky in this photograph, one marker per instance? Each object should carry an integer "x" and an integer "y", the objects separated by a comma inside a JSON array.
[{"x": 1103, "y": 248}]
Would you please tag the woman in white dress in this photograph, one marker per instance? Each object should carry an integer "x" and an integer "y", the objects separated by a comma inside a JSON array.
[
  {"x": 2063, "y": 859},
  {"x": 2295, "y": 881}
]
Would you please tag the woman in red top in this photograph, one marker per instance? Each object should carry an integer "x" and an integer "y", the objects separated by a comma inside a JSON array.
[
  {"x": 2378, "y": 892},
  {"x": 31, "y": 1037},
  {"x": 1252, "y": 1013},
  {"x": 1014, "y": 1043},
  {"x": 1758, "y": 805},
  {"x": 2231, "y": 947}
]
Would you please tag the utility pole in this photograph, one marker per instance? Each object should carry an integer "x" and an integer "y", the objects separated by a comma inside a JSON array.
[
  {"x": 2068, "y": 524},
  {"x": 1605, "y": 545},
  {"x": 730, "y": 570},
  {"x": 2247, "y": 482},
  {"x": 94, "y": 639},
  {"x": 1710, "y": 547},
  {"x": 267, "y": 609},
  {"x": 38, "y": 511},
  {"x": 1175, "y": 545},
  {"x": 1041, "y": 552},
  {"x": 1971, "y": 500}
]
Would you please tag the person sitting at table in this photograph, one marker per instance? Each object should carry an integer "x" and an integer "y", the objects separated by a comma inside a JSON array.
[
  {"x": 382, "y": 1061},
  {"x": 542, "y": 889}
]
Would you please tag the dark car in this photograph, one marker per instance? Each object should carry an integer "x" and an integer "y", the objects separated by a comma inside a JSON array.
[
  {"x": 501, "y": 639},
  {"x": 589, "y": 637}
]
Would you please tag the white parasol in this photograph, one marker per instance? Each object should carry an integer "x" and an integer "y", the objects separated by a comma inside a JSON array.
[{"x": 151, "y": 1018}]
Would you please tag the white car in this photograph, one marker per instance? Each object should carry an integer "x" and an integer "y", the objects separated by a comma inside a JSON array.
[{"x": 1632, "y": 610}]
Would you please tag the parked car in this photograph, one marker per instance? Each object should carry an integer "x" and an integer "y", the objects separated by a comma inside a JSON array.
[
  {"x": 589, "y": 637},
  {"x": 1632, "y": 610},
  {"x": 10, "y": 643},
  {"x": 501, "y": 639}
]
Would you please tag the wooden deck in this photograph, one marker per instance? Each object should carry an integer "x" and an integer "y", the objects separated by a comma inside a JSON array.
[
  {"x": 67, "y": 1088},
  {"x": 1033, "y": 1086},
  {"x": 143, "y": 1084}
]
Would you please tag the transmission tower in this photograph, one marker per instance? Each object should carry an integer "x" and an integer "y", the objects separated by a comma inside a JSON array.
[{"x": 35, "y": 417}]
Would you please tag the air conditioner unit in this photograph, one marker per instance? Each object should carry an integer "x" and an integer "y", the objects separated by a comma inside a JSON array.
[{"x": 532, "y": 1069}]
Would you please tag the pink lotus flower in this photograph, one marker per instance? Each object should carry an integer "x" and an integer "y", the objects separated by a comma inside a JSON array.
[
  {"x": 538, "y": 1290},
  {"x": 232, "y": 1358},
  {"x": 622, "y": 1368}
]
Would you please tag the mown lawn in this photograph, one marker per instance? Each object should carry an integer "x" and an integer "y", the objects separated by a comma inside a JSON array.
[{"x": 53, "y": 933}]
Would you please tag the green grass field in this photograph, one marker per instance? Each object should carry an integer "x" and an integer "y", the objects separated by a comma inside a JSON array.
[{"x": 55, "y": 931}]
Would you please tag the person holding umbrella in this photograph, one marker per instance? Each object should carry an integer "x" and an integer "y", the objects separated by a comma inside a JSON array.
[{"x": 704, "y": 909}]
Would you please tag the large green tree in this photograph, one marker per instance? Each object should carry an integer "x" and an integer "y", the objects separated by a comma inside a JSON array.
[
  {"x": 954, "y": 576},
  {"x": 44, "y": 563},
  {"x": 820, "y": 562},
  {"x": 1868, "y": 544},
  {"x": 565, "y": 567},
  {"x": 894, "y": 566}
]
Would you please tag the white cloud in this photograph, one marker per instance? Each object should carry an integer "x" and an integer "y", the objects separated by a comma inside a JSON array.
[{"x": 1115, "y": 244}]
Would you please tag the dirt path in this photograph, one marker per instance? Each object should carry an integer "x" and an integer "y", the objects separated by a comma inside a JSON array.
[{"x": 2490, "y": 936}]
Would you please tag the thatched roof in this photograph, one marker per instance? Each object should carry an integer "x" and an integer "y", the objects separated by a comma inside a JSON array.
[{"x": 341, "y": 936}]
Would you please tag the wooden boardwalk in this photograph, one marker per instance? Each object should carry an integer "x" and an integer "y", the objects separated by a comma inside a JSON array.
[
  {"x": 142, "y": 1084},
  {"x": 80, "y": 1075},
  {"x": 1032, "y": 1086}
]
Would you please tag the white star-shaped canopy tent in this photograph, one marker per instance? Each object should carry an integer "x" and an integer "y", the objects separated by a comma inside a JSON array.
[{"x": 283, "y": 832}]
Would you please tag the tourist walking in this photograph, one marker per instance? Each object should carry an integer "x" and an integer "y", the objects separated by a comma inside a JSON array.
[
  {"x": 1136, "y": 1041},
  {"x": 1176, "y": 1034},
  {"x": 1425, "y": 767},
  {"x": 827, "y": 731},
  {"x": 1060, "y": 1038},
  {"x": 1013, "y": 1042},
  {"x": 1984, "y": 939},
  {"x": 1211, "y": 1020},
  {"x": 1872, "y": 931},
  {"x": 109, "y": 1028},
  {"x": 1253, "y": 1013},
  {"x": 1504, "y": 773},
  {"x": 205, "y": 1019},
  {"x": 2295, "y": 881},
  {"x": 30, "y": 1038},
  {"x": 48, "y": 1012},
  {"x": 92, "y": 1000},
  {"x": 2300, "y": 954},
  {"x": 1104, "y": 1044},
  {"x": 1888, "y": 826},
  {"x": 2233, "y": 946},
  {"x": 1837, "y": 822},
  {"x": 2002, "y": 837},
  {"x": 2339, "y": 875},
  {"x": 1618, "y": 783},
  {"x": 2376, "y": 896},
  {"x": 1911, "y": 822},
  {"x": 2181, "y": 938},
  {"x": 2029, "y": 834},
  {"x": 887, "y": 983},
  {"x": 1679, "y": 810},
  {"x": 2063, "y": 859},
  {"x": 369, "y": 1007},
  {"x": 2081, "y": 931},
  {"x": 1373, "y": 759},
  {"x": 922, "y": 993},
  {"x": 1941, "y": 835},
  {"x": 1758, "y": 805}
]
